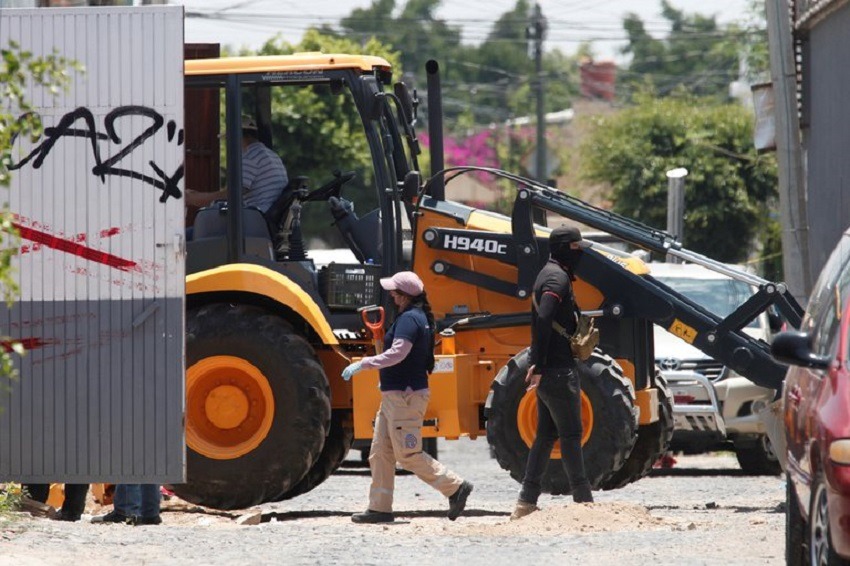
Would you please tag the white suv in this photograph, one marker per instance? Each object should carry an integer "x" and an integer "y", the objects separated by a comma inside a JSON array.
[{"x": 714, "y": 408}]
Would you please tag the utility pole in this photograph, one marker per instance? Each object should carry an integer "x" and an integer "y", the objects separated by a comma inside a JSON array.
[
  {"x": 793, "y": 206},
  {"x": 536, "y": 32}
]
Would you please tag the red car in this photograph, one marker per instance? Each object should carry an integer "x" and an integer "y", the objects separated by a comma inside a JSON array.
[{"x": 817, "y": 420}]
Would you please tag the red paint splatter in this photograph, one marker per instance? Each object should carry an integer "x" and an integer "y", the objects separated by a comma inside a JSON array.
[
  {"x": 109, "y": 232},
  {"x": 72, "y": 247},
  {"x": 27, "y": 343}
]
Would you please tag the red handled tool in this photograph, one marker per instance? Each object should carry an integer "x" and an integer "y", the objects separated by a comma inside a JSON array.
[{"x": 376, "y": 326}]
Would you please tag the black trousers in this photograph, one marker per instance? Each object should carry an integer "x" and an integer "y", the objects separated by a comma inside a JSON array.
[
  {"x": 558, "y": 418},
  {"x": 75, "y": 496}
]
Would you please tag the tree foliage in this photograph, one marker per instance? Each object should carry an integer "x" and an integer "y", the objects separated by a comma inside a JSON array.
[
  {"x": 728, "y": 184},
  {"x": 415, "y": 33},
  {"x": 482, "y": 84},
  {"x": 20, "y": 71},
  {"x": 698, "y": 53},
  {"x": 330, "y": 123}
]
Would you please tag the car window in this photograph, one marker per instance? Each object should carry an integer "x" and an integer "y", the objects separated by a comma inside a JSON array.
[
  {"x": 828, "y": 299},
  {"x": 833, "y": 301},
  {"x": 823, "y": 296},
  {"x": 718, "y": 296}
]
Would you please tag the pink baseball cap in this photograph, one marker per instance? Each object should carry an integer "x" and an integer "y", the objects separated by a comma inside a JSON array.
[{"x": 405, "y": 281}]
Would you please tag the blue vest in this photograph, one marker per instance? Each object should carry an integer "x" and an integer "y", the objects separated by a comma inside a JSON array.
[{"x": 411, "y": 325}]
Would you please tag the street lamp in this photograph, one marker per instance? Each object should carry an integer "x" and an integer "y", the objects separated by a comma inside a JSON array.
[{"x": 676, "y": 205}]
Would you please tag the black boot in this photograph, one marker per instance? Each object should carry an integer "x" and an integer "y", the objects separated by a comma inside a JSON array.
[
  {"x": 582, "y": 494},
  {"x": 457, "y": 501},
  {"x": 373, "y": 517}
]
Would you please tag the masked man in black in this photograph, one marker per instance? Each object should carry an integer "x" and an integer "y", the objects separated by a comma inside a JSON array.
[{"x": 553, "y": 372}]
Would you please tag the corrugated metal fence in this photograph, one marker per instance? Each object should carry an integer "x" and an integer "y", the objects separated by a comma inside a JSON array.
[{"x": 97, "y": 201}]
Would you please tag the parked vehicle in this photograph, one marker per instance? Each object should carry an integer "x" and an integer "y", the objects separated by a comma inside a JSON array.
[
  {"x": 817, "y": 420},
  {"x": 714, "y": 407}
]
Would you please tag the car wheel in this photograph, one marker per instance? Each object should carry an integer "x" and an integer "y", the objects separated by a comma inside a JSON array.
[
  {"x": 821, "y": 550},
  {"x": 757, "y": 457},
  {"x": 795, "y": 527}
]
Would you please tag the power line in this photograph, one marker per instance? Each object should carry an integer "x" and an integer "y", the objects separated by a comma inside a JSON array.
[{"x": 662, "y": 27}]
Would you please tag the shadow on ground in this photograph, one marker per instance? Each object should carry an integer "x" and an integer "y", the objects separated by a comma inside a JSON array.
[
  {"x": 400, "y": 516},
  {"x": 697, "y": 472}
]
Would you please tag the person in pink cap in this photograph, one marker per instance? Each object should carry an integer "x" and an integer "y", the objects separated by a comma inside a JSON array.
[{"x": 404, "y": 365}]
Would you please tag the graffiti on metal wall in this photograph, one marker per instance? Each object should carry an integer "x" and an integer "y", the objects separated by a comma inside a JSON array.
[
  {"x": 111, "y": 165},
  {"x": 40, "y": 235}
]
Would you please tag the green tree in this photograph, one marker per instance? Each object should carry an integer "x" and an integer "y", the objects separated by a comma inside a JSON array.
[
  {"x": 753, "y": 45},
  {"x": 416, "y": 33},
  {"x": 19, "y": 70},
  {"x": 697, "y": 53},
  {"x": 330, "y": 123},
  {"x": 481, "y": 84},
  {"x": 497, "y": 75},
  {"x": 729, "y": 186}
]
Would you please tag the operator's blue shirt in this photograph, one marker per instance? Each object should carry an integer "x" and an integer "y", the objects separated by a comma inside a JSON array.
[{"x": 410, "y": 325}]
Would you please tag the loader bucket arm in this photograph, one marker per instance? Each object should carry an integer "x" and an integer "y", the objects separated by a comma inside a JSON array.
[
  {"x": 659, "y": 241},
  {"x": 627, "y": 294},
  {"x": 722, "y": 339}
]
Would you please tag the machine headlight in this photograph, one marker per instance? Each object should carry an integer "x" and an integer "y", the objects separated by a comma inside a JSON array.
[{"x": 839, "y": 451}]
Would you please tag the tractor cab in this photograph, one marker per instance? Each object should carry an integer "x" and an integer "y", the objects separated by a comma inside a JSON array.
[{"x": 341, "y": 138}]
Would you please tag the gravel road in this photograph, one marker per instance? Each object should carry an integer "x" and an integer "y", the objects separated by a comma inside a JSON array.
[{"x": 702, "y": 511}]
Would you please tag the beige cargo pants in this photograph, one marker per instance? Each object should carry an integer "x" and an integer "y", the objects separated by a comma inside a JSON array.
[{"x": 398, "y": 438}]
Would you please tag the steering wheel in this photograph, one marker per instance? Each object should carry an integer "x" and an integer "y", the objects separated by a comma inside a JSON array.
[{"x": 332, "y": 188}]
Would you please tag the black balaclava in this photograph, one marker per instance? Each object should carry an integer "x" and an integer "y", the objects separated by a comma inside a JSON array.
[{"x": 559, "y": 246}]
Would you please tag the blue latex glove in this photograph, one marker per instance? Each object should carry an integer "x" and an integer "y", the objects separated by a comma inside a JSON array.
[{"x": 351, "y": 370}]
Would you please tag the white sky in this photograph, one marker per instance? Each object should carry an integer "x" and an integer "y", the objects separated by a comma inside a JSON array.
[{"x": 570, "y": 21}]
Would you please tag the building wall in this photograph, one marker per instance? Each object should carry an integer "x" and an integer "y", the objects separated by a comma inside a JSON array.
[{"x": 826, "y": 90}]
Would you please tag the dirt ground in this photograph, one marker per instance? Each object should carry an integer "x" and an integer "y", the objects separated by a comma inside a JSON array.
[{"x": 702, "y": 511}]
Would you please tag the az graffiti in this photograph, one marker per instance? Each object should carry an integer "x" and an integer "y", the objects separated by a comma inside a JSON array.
[{"x": 110, "y": 166}]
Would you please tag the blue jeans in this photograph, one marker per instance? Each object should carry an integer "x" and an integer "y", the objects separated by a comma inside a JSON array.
[
  {"x": 558, "y": 418},
  {"x": 137, "y": 500}
]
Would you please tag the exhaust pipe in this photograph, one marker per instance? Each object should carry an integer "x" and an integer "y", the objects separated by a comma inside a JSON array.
[{"x": 435, "y": 129}]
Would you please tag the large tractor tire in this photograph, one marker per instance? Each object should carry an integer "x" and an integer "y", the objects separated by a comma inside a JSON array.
[
  {"x": 607, "y": 412},
  {"x": 257, "y": 407},
  {"x": 652, "y": 441},
  {"x": 337, "y": 444}
]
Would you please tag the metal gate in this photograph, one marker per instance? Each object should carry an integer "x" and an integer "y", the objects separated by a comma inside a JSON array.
[{"x": 97, "y": 200}]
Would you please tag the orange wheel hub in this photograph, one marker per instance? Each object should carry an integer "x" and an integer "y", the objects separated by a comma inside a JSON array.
[
  {"x": 527, "y": 421},
  {"x": 229, "y": 407}
]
